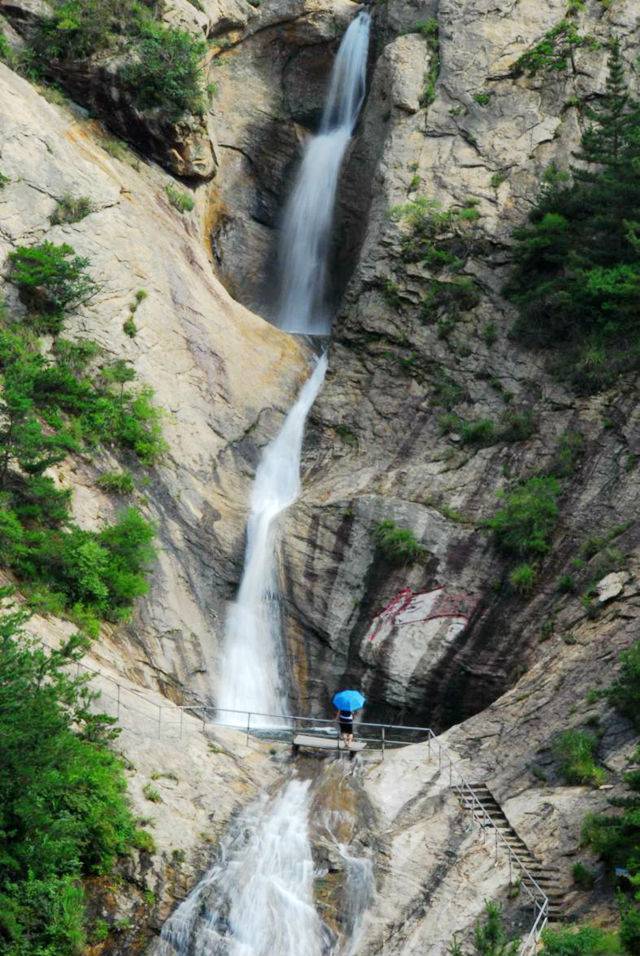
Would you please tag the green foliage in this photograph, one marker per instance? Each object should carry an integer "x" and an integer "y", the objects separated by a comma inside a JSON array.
[
  {"x": 117, "y": 482},
  {"x": 151, "y": 793},
  {"x": 555, "y": 53},
  {"x": 442, "y": 240},
  {"x": 180, "y": 200},
  {"x": 624, "y": 693},
  {"x": 398, "y": 545},
  {"x": 583, "y": 876},
  {"x": 482, "y": 98},
  {"x": 584, "y": 941},
  {"x": 566, "y": 584},
  {"x": 630, "y": 929},
  {"x": 79, "y": 28},
  {"x": 167, "y": 73},
  {"x": 129, "y": 327},
  {"x": 63, "y": 808},
  {"x": 71, "y": 209},
  {"x": 430, "y": 31},
  {"x": 490, "y": 937},
  {"x": 480, "y": 432},
  {"x": 577, "y": 275},
  {"x": 50, "y": 406},
  {"x": 525, "y": 523},
  {"x": 575, "y": 749},
  {"x": 523, "y": 578},
  {"x": 4, "y": 180},
  {"x": 516, "y": 425},
  {"x": 52, "y": 280}
]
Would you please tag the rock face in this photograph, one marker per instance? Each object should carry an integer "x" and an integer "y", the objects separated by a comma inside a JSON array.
[
  {"x": 193, "y": 347},
  {"x": 380, "y": 448}
]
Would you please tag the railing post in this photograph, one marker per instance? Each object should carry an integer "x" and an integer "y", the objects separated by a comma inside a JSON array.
[
  {"x": 382, "y": 732},
  {"x": 248, "y": 726}
]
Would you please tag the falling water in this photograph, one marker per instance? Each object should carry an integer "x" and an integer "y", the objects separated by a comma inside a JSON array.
[
  {"x": 306, "y": 229},
  {"x": 252, "y": 675},
  {"x": 258, "y": 898}
]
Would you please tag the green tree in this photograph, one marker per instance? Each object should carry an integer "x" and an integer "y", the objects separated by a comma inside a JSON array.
[
  {"x": 576, "y": 281},
  {"x": 52, "y": 280},
  {"x": 524, "y": 524},
  {"x": 63, "y": 807}
]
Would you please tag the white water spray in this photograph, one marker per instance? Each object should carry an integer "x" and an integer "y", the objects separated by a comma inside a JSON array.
[
  {"x": 306, "y": 229},
  {"x": 258, "y": 899}
]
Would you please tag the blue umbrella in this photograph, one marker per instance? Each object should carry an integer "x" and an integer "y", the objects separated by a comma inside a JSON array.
[{"x": 349, "y": 700}]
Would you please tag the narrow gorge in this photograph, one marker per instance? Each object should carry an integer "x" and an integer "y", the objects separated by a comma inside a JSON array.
[{"x": 319, "y": 369}]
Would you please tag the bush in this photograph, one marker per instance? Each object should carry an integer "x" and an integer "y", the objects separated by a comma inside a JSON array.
[
  {"x": 65, "y": 814},
  {"x": 624, "y": 693},
  {"x": 523, "y": 578},
  {"x": 167, "y": 73},
  {"x": 584, "y": 941},
  {"x": 117, "y": 482},
  {"x": 583, "y": 876},
  {"x": 79, "y": 28},
  {"x": 630, "y": 930},
  {"x": 523, "y": 526},
  {"x": 180, "y": 200},
  {"x": 71, "y": 209},
  {"x": 575, "y": 749},
  {"x": 481, "y": 432},
  {"x": 398, "y": 545},
  {"x": 52, "y": 281}
]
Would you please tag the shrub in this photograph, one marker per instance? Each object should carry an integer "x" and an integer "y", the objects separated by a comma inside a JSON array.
[
  {"x": 167, "y": 73},
  {"x": 398, "y": 545},
  {"x": 523, "y": 526},
  {"x": 624, "y": 693},
  {"x": 566, "y": 584},
  {"x": 481, "y": 432},
  {"x": 180, "y": 200},
  {"x": 117, "y": 482},
  {"x": 63, "y": 795},
  {"x": 482, "y": 98},
  {"x": 4, "y": 180},
  {"x": 151, "y": 793},
  {"x": 583, "y": 941},
  {"x": 630, "y": 929},
  {"x": 490, "y": 937},
  {"x": 52, "y": 280},
  {"x": 575, "y": 749},
  {"x": 516, "y": 426},
  {"x": 130, "y": 328},
  {"x": 523, "y": 578},
  {"x": 79, "y": 28},
  {"x": 71, "y": 209},
  {"x": 583, "y": 876},
  {"x": 555, "y": 52}
]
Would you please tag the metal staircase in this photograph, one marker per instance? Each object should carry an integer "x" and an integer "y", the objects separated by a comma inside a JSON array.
[{"x": 546, "y": 876}]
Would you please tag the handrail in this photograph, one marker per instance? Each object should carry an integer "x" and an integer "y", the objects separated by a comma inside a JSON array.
[{"x": 536, "y": 894}]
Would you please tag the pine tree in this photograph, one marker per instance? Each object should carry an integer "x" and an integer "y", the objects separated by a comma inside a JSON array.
[{"x": 577, "y": 277}]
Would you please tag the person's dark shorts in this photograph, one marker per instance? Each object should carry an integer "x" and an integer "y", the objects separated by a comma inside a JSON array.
[{"x": 346, "y": 726}]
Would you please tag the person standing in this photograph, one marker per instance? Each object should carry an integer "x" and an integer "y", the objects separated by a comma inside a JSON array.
[{"x": 347, "y": 702}]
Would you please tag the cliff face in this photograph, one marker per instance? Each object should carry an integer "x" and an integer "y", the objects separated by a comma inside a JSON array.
[
  {"x": 448, "y": 118},
  {"x": 402, "y": 365}
]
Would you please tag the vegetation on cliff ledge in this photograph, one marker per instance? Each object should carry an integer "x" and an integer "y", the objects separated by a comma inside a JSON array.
[
  {"x": 577, "y": 276},
  {"x": 67, "y": 400}
]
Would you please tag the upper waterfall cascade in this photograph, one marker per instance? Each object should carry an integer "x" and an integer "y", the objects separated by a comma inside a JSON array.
[{"x": 306, "y": 229}]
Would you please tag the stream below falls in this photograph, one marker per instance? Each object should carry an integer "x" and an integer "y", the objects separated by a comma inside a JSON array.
[{"x": 260, "y": 897}]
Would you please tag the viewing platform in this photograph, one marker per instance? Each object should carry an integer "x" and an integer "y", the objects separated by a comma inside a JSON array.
[{"x": 316, "y": 742}]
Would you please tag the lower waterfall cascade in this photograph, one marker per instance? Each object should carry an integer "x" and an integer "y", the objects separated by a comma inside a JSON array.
[{"x": 258, "y": 897}]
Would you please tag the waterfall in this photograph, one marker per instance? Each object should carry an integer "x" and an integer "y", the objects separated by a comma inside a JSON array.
[
  {"x": 257, "y": 900},
  {"x": 306, "y": 229},
  {"x": 252, "y": 673}
]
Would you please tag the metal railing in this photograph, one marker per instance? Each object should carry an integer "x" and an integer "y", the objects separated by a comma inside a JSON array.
[{"x": 170, "y": 721}]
